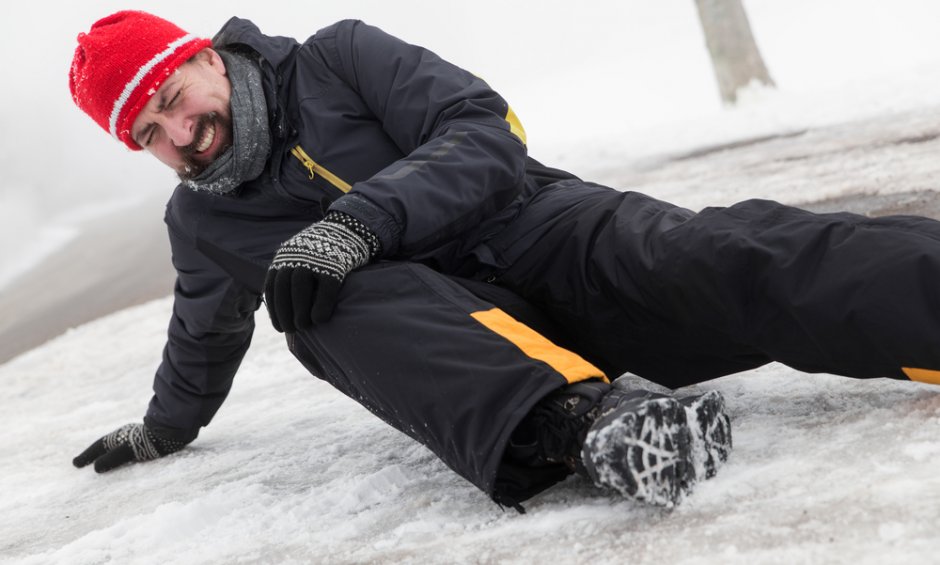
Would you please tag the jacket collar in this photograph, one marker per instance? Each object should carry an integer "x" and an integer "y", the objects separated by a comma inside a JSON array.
[
  {"x": 277, "y": 56},
  {"x": 275, "y": 50}
]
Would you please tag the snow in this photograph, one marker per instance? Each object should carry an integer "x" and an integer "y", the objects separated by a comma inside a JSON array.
[{"x": 824, "y": 469}]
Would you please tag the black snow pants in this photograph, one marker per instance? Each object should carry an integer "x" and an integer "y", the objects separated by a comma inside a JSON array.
[
  {"x": 679, "y": 297},
  {"x": 624, "y": 282},
  {"x": 445, "y": 366}
]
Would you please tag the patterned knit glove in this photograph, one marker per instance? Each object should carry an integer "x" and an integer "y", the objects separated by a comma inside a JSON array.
[
  {"x": 133, "y": 442},
  {"x": 305, "y": 277}
]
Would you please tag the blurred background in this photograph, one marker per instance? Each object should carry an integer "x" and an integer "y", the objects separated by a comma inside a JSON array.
[{"x": 597, "y": 84}]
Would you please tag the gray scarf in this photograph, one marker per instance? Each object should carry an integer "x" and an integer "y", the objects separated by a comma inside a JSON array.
[{"x": 251, "y": 138}]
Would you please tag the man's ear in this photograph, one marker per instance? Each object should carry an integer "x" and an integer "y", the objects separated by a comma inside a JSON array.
[{"x": 210, "y": 57}]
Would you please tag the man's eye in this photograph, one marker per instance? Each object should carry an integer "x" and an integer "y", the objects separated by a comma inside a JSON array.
[
  {"x": 173, "y": 100},
  {"x": 146, "y": 136}
]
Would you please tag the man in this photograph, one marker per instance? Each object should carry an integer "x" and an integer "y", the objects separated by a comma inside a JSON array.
[{"x": 382, "y": 201}]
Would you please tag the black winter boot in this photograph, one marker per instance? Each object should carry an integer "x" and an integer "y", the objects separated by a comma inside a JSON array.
[
  {"x": 648, "y": 446},
  {"x": 641, "y": 446},
  {"x": 653, "y": 447}
]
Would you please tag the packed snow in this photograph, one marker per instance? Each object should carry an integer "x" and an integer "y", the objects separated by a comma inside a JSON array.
[{"x": 824, "y": 469}]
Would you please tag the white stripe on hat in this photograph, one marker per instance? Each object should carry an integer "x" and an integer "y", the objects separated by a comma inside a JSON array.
[{"x": 135, "y": 80}]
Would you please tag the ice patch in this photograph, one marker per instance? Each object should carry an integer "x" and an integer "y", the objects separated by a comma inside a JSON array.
[
  {"x": 922, "y": 451},
  {"x": 891, "y": 531},
  {"x": 380, "y": 486}
]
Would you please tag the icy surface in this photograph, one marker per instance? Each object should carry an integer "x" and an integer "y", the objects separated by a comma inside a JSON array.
[{"x": 824, "y": 469}]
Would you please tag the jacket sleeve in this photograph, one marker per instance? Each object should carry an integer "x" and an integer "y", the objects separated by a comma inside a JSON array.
[
  {"x": 209, "y": 332},
  {"x": 464, "y": 149}
]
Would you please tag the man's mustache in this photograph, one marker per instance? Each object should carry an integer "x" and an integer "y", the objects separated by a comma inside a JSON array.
[{"x": 192, "y": 168}]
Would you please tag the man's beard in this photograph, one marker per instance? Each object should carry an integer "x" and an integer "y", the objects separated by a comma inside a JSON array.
[{"x": 193, "y": 168}]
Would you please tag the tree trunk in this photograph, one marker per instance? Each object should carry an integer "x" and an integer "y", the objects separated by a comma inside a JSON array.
[{"x": 735, "y": 57}]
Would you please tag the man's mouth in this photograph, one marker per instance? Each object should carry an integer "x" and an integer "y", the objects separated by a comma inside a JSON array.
[
  {"x": 210, "y": 142},
  {"x": 207, "y": 137},
  {"x": 206, "y": 133}
]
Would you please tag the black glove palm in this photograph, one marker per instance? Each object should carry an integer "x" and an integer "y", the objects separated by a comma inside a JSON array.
[
  {"x": 307, "y": 271},
  {"x": 132, "y": 442}
]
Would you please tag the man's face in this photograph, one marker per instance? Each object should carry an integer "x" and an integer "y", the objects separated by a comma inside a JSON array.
[{"x": 187, "y": 123}]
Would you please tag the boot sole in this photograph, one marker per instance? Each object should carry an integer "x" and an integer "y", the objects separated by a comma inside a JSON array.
[
  {"x": 711, "y": 433},
  {"x": 644, "y": 453}
]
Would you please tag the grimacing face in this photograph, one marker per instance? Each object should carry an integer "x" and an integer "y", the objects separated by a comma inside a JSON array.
[{"x": 187, "y": 123}]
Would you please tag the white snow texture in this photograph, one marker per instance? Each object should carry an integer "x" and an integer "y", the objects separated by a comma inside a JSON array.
[{"x": 824, "y": 469}]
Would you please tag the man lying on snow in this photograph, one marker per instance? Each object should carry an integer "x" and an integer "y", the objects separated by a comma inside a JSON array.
[{"x": 382, "y": 202}]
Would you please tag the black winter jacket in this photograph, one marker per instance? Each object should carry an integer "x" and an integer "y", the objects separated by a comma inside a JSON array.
[{"x": 422, "y": 152}]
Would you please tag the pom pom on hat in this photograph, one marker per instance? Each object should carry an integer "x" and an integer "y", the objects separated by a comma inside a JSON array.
[{"x": 121, "y": 62}]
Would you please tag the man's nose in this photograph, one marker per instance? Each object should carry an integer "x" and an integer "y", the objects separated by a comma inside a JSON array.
[{"x": 179, "y": 130}]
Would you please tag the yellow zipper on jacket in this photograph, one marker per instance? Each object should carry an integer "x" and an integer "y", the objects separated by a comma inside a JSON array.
[{"x": 318, "y": 169}]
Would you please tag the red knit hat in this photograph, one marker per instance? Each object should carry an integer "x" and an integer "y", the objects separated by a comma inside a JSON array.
[{"x": 121, "y": 62}]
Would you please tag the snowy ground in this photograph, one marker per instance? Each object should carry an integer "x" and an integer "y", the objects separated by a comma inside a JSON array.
[{"x": 825, "y": 469}]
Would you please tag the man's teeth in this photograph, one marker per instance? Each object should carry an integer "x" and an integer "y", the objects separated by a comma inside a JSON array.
[{"x": 207, "y": 139}]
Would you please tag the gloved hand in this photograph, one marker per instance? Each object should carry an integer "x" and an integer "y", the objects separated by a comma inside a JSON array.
[
  {"x": 305, "y": 277},
  {"x": 133, "y": 442}
]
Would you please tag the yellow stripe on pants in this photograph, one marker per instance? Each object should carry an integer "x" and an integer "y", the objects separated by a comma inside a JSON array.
[
  {"x": 571, "y": 365},
  {"x": 922, "y": 375}
]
